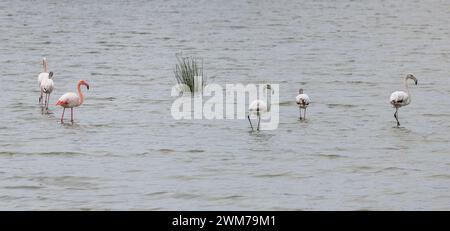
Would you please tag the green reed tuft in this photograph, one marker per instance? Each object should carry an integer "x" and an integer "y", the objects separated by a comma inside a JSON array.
[{"x": 188, "y": 71}]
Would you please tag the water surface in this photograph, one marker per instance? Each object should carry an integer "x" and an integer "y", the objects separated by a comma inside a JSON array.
[{"x": 126, "y": 152}]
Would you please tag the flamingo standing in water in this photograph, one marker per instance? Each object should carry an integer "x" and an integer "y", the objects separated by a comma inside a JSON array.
[
  {"x": 302, "y": 101},
  {"x": 258, "y": 107},
  {"x": 71, "y": 100},
  {"x": 42, "y": 76},
  {"x": 47, "y": 88},
  {"x": 400, "y": 98}
]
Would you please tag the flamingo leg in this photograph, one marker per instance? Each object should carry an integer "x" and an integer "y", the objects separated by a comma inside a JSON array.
[
  {"x": 62, "y": 116},
  {"x": 71, "y": 115},
  {"x": 250, "y": 121},
  {"x": 304, "y": 114},
  {"x": 396, "y": 117},
  {"x": 40, "y": 98},
  {"x": 48, "y": 100},
  {"x": 259, "y": 120},
  {"x": 300, "y": 109}
]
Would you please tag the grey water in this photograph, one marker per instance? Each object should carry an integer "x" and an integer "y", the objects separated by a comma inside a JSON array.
[{"x": 126, "y": 152}]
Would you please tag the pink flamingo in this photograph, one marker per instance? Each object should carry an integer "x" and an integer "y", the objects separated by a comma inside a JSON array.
[{"x": 71, "y": 100}]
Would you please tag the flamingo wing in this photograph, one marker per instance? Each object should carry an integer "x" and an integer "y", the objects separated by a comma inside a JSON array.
[
  {"x": 47, "y": 85},
  {"x": 42, "y": 76},
  {"x": 69, "y": 100},
  {"x": 399, "y": 98},
  {"x": 302, "y": 99},
  {"x": 257, "y": 105}
]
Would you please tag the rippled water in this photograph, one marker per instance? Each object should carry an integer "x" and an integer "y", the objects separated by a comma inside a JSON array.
[{"x": 126, "y": 152}]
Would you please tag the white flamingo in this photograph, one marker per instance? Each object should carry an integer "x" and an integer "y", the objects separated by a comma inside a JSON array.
[
  {"x": 400, "y": 98},
  {"x": 43, "y": 75},
  {"x": 258, "y": 107},
  {"x": 47, "y": 86},
  {"x": 302, "y": 101},
  {"x": 71, "y": 100}
]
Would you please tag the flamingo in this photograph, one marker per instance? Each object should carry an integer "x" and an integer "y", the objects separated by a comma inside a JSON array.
[
  {"x": 302, "y": 101},
  {"x": 259, "y": 107},
  {"x": 47, "y": 88},
  {"x": 71, "y": 100},
  {"x": 400, "y": 98},
  {"x": 43, "y": 75}
]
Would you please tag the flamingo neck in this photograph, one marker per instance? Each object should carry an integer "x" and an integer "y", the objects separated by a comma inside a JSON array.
[
  {"x": 45, "y": 65},
  {"x": 268, "y": 99},
  {"x": 406, "y": 86},
  {"x": 80, "y": 94}
]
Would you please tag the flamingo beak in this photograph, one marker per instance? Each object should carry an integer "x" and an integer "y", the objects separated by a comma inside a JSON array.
[
  {"x": 87, "y": 86},
  {"x": 416, "y": 82}
]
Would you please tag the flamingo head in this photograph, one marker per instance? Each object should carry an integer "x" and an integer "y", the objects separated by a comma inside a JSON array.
[
  {"x": 83, "y": 82},
  {"x": 268, "y": 87},
  {"x": 411, "y": 76},
  {"x": 300, "y": 91},
  {"x": 50, "y": 74}
]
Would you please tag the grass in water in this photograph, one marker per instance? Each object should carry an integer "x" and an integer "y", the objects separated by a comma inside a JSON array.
[{"x": 189, "y": 71}]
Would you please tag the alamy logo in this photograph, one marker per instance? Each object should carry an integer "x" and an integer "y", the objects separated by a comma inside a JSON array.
[{"x": 213, "y": 101}]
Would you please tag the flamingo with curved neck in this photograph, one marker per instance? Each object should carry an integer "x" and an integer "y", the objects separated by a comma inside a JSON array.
[
  {"x": 71, "y": 100},
  {"x": 400, "y": 98}
]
